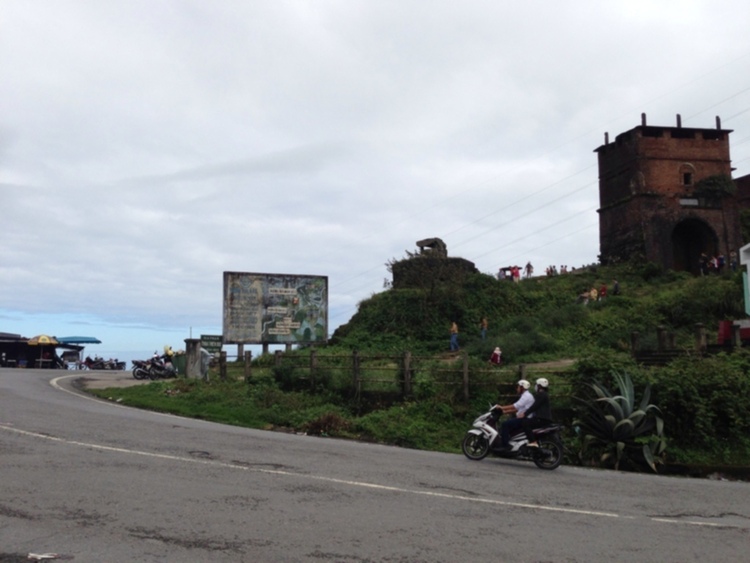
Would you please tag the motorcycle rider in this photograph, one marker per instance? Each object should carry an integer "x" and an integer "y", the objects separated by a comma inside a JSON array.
[
  {"x": 512, "y": 425},
  {"x": 167, "y": 357},
  {"x": 539, "y": 414}
]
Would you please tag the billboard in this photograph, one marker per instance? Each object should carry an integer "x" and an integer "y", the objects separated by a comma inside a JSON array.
[{"x": 275, "y": 308}]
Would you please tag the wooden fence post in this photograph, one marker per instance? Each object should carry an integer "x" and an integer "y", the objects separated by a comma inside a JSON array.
[
  {"x": 355, "y": 372},
  {"x": 248, "y": 366},
  {"x": 313, "y": 367},
  {"x": 407, "y": 374},
  {"x": 223, "y": 365},
  {"x": 661, "y": 338},
  {"x": 700, "y": 337},
  {"x": 736, "y": 336},
  {"x": 466, "y": 375}
]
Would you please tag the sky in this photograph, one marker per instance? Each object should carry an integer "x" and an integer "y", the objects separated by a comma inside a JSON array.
[{"x": 147, "y": 147}]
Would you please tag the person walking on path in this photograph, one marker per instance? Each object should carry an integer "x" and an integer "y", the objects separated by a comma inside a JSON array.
[{"x": 454, "y": 337}]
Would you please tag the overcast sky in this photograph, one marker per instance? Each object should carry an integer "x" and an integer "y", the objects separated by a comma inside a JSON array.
[{"x": 148, "y": 146}]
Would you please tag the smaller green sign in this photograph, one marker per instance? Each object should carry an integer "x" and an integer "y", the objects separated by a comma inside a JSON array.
[{"x": 212, "y": 342}]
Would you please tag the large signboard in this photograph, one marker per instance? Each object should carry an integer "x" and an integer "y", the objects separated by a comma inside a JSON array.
[{"x": 275, "y": 308}]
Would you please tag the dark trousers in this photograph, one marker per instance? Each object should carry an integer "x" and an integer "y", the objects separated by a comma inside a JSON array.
[
  {"x": 509, "y": 427},
  {"x": 530, "y": 423}
]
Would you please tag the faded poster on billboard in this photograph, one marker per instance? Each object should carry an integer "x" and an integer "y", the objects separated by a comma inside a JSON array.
[{"x": 275, "y": 308}]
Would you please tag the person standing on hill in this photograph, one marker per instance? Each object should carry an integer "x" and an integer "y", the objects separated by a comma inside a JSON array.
[
  {"x": 454, "y": 337},
  {"x": 483, "y": 328},
  {"x": 593, "y": 294},
  {"x": 615, "y": 287},
  {"x": 497, "y": 357}
]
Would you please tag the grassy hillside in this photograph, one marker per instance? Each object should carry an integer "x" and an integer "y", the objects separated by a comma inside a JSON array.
[
  {"x": 542, "y": 318},
  {"x": 704, "y": 402}
]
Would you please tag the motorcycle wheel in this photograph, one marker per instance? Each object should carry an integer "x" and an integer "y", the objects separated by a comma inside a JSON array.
[
  {"x": 475, "y": 447},
  {"x": 152, "y": 374},
  {"x": 550, "y": 454},
  {"x": 140, "y": 373}
]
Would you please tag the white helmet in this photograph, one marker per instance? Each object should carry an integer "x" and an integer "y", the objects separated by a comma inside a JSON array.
[
  {"x": 542, "y": 382},
  {"x": 525, "y": 384}
]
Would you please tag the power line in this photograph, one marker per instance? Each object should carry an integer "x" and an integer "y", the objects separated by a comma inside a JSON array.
[{"x": 553, "y": 149}]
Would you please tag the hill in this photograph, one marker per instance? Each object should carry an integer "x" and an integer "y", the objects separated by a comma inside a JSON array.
[
  {"x": 544, "y": 318},
  {"x": 701, "y": 401}
]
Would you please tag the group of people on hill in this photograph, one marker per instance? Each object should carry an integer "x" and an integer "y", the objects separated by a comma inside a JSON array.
[
  {"x": 514, "y": 273},
  {"x": 510, "y": 273},
  {"x": 553, "y": 271},
  {"x": 716, "y": 264},
  {"x": 600, "y": 294},
  {"x": 495, "y": 358}
]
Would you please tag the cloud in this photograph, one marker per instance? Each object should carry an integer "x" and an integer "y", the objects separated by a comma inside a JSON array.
[{"x": 146, "y": 148}]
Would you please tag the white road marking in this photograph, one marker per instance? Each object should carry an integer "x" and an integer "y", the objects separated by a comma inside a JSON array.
[{"x": 361, "y": 484}]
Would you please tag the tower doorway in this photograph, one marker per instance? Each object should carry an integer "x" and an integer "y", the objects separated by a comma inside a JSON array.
[{"x": 691, "y": 238}]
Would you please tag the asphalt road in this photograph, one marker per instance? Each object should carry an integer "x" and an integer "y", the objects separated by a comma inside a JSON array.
[{"x": 94, "y": 481}]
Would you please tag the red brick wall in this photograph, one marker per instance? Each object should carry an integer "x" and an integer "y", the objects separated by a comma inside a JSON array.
[{"x": 641, "y": 185}]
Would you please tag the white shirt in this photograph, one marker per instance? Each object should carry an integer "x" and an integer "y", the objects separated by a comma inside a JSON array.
[{"x": 522, "y": 404}]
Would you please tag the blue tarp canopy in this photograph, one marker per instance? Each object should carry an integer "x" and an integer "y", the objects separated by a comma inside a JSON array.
[{"x": 78, "y": 340}]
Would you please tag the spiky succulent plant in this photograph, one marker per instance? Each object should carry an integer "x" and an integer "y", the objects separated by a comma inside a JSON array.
[{"x": 617, "y": 428}]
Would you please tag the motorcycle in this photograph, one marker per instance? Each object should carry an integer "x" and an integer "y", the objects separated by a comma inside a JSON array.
[
  {"x": 101, "y": 363},
  {"x": 140, "y": 369},
  {"x": 161, "y": 367},
  {"x": 484, "y": 438}
]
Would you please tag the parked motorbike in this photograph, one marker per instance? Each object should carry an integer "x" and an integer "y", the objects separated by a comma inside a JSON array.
[
  {"x": 140, "y": 369},
  {"x": 484, "y": 439},
  {"x": 161, "y": 367},
  {"x": 101, "y": 363}
]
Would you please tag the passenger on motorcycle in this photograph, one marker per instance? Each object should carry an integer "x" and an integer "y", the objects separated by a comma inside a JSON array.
[
  {"x": 512, "y": 425},
  {"x": 539, "y": 414}
]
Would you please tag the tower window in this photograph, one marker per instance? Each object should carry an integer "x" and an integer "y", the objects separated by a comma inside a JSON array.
[{"x": 687, "y": 178}]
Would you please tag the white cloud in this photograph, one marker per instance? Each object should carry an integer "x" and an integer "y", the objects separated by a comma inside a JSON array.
[{"x": 147, "y": 147}]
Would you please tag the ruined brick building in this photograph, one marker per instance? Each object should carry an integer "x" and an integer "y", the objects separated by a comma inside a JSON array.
[{"x": 666, "y": 195}]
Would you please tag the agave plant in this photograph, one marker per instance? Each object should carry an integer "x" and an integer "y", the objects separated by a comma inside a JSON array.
[{"x": 617, "y": 428}]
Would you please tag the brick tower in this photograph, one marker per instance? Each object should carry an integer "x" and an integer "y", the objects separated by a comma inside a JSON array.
[{"x": 666, "y": 196}]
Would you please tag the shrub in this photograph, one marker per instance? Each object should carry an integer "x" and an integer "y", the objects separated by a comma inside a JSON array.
[
  {"x": 618, "y": 433},
  {"x": 705, "y": 403}
]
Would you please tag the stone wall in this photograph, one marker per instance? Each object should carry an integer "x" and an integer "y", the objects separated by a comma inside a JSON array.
[{"x": 424, "y": 272}]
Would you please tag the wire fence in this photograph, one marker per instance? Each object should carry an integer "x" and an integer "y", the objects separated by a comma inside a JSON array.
[{"x": 401, "y": 375}]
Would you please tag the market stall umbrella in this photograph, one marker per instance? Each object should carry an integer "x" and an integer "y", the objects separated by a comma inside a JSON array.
[
  {"x": 43, "y": 340},
  {"x": 78, "y": 340}
]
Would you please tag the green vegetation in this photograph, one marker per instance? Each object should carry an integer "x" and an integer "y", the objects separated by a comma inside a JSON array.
[
  {"x": 717, "y": 185},
  {"x": 617, "y": 432},
  {"x": 703, "y": 401}
]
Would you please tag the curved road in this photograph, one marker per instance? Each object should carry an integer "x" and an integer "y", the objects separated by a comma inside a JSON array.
[{"x": 90, "y": 480}]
